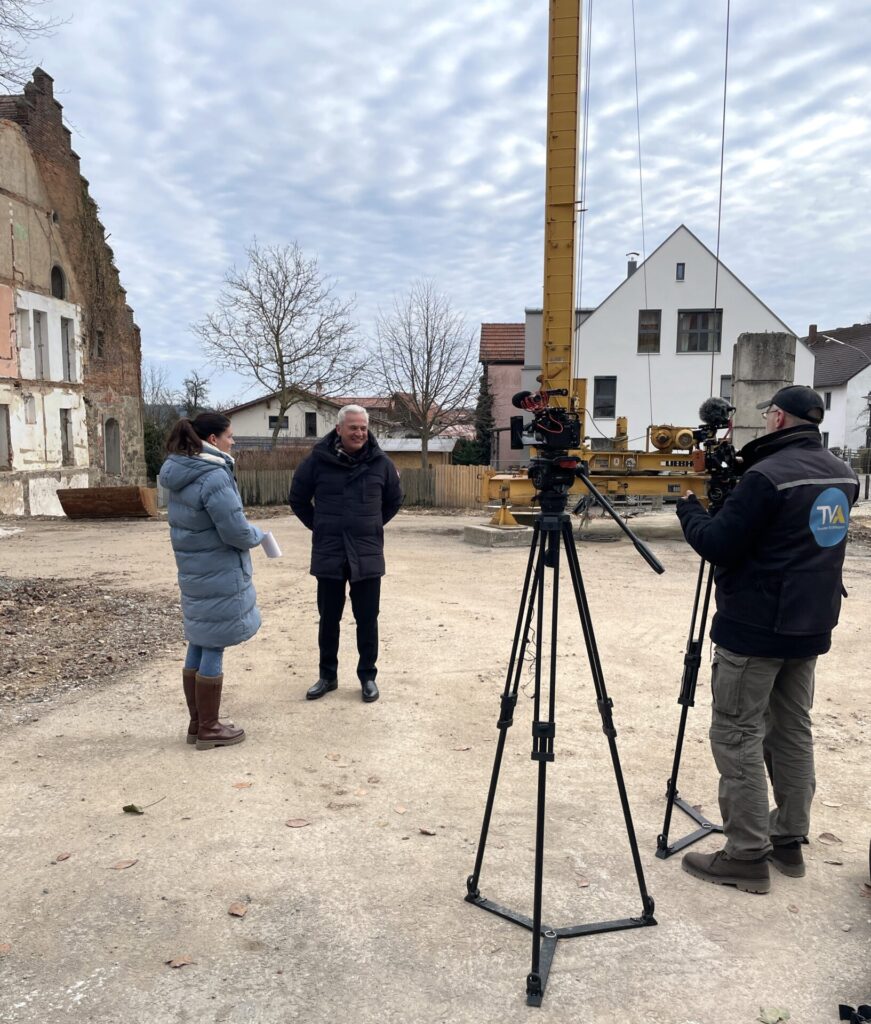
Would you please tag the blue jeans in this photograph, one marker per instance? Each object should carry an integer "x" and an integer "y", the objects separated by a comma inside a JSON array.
[{"x": 208, "y": 661}]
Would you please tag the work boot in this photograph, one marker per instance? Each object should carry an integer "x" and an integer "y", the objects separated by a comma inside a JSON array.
[
  {"x": 211, "y": 732},
  {"x": 189, "y": 676},
  {"x": 321, "y": 687},
  {"x": 721, "y": 869},
  {"x": 370, "y": 690},
  {"x": 788, "y": 859}
]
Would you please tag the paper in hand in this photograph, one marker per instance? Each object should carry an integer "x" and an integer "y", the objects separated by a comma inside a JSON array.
[{"x": 270, "y": 545}]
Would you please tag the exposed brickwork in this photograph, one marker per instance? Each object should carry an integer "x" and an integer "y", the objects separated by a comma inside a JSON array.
[{"x": 112, "y": 384}]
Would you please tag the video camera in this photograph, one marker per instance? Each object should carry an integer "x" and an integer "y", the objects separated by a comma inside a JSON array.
[
  {"x": 553, "y": 431},
  {"x": 716, "y": 456}
]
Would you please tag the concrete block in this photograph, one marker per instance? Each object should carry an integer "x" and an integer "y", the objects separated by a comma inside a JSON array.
[{"x": 497, "y": 537}]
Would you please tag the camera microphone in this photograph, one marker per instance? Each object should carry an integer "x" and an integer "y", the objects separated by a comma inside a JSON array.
[
  {"x": 715, "y": 412},
  {"x": 535, "y": 400}
]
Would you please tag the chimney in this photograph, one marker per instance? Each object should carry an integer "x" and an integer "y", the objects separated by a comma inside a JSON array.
[
  {"x": 812, "y": 334},
  {"x": 632, "y": 265}
]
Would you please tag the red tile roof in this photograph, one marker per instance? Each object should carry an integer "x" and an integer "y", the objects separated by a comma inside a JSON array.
[{"x": 502, "y": 343}]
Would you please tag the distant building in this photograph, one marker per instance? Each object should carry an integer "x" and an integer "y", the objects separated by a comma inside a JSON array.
[
  {"x": 651, "y": 350},
  {"x": 501, "y": 354},
  {"x": 842, "y": 375},
  {"x": 405, "y": 451},
  {"x": 70, "y": 389}
]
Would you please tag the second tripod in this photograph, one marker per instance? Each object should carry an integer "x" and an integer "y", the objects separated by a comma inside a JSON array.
[{"x": 552, "y": 535}]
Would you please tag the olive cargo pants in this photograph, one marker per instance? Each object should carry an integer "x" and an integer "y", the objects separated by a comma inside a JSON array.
[{"x": 760, "y": 719}]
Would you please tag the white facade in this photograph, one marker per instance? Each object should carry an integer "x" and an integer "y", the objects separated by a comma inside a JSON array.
[
  {"x": 42, "y": 408},
  {"x": 666, "y": 386},
  {"x": 848, "y": 420},
  {"x": 306, "y": 418}
]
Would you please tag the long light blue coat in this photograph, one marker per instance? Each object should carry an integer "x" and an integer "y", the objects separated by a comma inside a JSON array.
[{"x": 211, "y": 539}]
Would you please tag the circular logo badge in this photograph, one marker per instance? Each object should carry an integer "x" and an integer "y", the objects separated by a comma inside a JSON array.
[{"x": 830, "y": 514}]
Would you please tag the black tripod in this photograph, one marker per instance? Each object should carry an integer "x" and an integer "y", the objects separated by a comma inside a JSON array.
[
  {"x": 552, "y": 531},
  {"x": 692, "y": 662}
]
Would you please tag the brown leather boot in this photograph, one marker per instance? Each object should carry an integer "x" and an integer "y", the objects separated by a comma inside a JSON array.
[
  {"x": 188, "y": 676},
  {"x": 211, "y": 732}
]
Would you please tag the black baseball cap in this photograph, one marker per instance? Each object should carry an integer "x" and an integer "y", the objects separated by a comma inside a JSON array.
[{"x": 798, "y": 400}]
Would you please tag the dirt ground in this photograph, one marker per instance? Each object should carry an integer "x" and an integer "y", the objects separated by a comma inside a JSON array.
[{"x": 359, "y": 914}]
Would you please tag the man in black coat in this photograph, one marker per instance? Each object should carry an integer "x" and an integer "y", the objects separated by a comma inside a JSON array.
[
  {"x": 345, "y": 492},
  {"x": 777, "y": 545}
]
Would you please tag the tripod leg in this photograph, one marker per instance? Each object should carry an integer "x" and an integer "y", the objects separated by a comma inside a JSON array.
[
  {"x": 543, "y": 730},
  {"x": 509, "y": 694},
  {"x": 605, "y": 708},
  {"x": 686, "y": 698}
]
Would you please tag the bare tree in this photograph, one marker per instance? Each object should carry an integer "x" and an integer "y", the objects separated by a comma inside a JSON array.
[
  {"x": 195, "y": 396},
  {"x": 159, "y": 413},
  {"x": 278, "y": 323},
  {"x": 427, "y": 361},
  {"x": 20, "y": 22}
]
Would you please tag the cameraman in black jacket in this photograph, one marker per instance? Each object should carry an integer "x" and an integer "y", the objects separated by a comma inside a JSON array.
[{"x": 778, "y": 547}]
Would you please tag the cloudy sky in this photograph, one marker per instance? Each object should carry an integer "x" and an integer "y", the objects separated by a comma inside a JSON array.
[{"x": 399, "y": 141}]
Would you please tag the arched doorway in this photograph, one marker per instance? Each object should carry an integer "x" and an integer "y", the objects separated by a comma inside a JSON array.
[
  {"x": 58, "y": 283},
  {"x": 112, "y": 439}
]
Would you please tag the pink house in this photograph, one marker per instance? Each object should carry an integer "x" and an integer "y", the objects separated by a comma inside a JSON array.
[{"x": 501, "y": 354}]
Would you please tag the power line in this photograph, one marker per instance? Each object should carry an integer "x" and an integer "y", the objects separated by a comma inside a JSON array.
[{"x": 720, "y": 199}]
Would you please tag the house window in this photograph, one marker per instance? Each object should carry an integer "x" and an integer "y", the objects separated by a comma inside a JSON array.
[
  {"x": 604, "y": 397},
  {"x": 24, "y": 328},
  {"x": 649, "y": 321},
  {"x": 699, "y": 330},
  {"x": 5, "y": 439},
  {"x": 311, "y": 424},
  {"x": 58, "y": 283},
  {"x": 680, "y": 271},
  {"x": 98, "y": 344},
  {"x": 825, "y": 439},
  {"x": 112, "y": 447},
  {"x": 273, "y": 423},
  {"x": 66, "y": 438},
  {"x": 29, "y": 410},
  {"x": 68, "y": 348},
  {"x": 827, "y": 396},
  {"x": 726, "y": 387},
  {"x": 40, "y": 345}
]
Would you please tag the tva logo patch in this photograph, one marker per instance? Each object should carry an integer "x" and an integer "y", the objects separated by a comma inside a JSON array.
[{"x": 829, "y": 518}]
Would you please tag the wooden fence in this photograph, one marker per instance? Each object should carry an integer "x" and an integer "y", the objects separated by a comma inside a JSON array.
[
  {"x": 440, "y": 487},
  {"x": 443, "y": 486}
]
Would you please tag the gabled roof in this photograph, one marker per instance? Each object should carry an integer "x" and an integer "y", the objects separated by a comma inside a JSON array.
[
  {"x": 268, "y": 398},
  {"x": 836, "y": 364},
  {"x": 723, "y": 270},
  {"x": 502, "y": 343}
]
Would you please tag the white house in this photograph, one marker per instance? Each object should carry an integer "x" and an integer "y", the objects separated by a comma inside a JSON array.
[
  {"x": 842, "y": 375},
  {"x": 309, "y": 418},
  {"x": 657, "y": 346}
]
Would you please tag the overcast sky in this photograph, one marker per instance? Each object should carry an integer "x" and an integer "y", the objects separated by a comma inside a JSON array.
[{"x": 398, "y": 141}]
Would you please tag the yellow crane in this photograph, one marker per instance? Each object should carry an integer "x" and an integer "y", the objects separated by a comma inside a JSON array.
[{"x": 666, "y": 466}]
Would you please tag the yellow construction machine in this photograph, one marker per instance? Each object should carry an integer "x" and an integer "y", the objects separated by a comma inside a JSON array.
[{"x": 673, "y": 461}]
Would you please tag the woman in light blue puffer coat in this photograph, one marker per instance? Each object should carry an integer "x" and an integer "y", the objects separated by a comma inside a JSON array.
[{"x": 211, "y": 539}]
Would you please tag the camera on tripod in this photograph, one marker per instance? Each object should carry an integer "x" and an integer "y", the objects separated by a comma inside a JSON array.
[
  {"x": 553, "y": 430},
  {"x": 716, "y": 456}
]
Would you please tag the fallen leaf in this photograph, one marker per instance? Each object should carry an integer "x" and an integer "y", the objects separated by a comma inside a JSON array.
[
  {"x": 400, "y": 809},
  {"x": 242, "y": 785},
  {"x": 122, "y": 864},
  {"x": 237, "y": 909},
  {"x": 838, "y": 862},
  {"x": 583, "y": 882},
  {"x": 5, "y": 948},
  {"x": 772, "y": 1016},
  {"x": 373, "y": 780},
  {"x": 333, "y": 757},
  {"x": 792, "y": 908},
  {"x": 831, "y": 803},
  {"x": 297, "y": 822},
  {"x": 360, "y": 791},
  {"x": 61, "y": 856},
  {"x": 829, "y": 838},
  {"x": 179, "y": 961},
  {"x": 462, "y": 748},
  {"x": 425, "y": 831},
  {"x": 132, "y": 809}
]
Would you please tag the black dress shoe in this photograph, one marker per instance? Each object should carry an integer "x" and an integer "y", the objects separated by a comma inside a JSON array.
[
  {"x": 370, "y": 690},
  {"x": 321, "y": 687}
]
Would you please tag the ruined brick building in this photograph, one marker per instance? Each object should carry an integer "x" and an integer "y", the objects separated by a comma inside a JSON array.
[{"x": 70, "y": 387}]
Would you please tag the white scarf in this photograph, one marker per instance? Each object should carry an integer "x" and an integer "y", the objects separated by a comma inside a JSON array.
[{"x": 212, "y": 454}]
